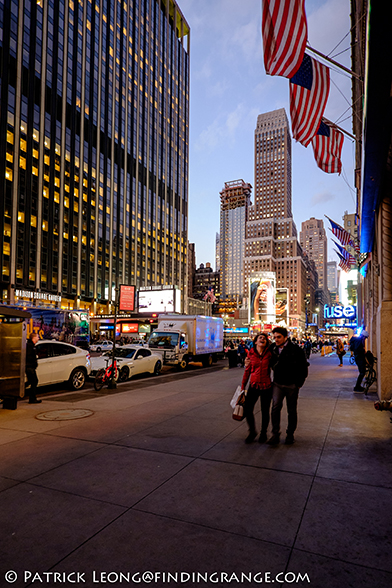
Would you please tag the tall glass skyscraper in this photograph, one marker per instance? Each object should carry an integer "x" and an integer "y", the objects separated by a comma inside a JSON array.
[
  {"x": 94, "y": 146},
  {"x": 235, "y": 200}
]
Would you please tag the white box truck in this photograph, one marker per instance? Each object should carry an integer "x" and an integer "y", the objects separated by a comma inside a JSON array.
[{"x": 181, "y": 338}]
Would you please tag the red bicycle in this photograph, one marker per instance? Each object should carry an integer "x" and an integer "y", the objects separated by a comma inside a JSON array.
[{"x": 103, "y": 376}]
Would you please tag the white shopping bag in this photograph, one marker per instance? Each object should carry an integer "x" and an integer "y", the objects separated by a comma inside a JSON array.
[{"x": 236, "y": 395}]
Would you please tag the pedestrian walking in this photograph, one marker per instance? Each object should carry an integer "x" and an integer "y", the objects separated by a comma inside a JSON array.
[
  {"x": 258, "y": 370},
  {"x": 290, "y": 368},
  {"x": 357, "y": 346},
  {"x": 241, "y": 350},
  {"x": 232, "y": 355},
  {"x": 31, "y": 366},
  {"x": 340, "y": 352},
  {"x": 307, "y": 348}
]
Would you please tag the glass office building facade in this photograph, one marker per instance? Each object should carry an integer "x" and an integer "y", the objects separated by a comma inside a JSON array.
[
  {"x": 235, "y": 202},
  {"x": 93, "y": 147}
]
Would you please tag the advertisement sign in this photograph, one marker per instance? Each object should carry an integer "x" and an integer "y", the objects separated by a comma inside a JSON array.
[
  {"x": 338, "y": 312},
  {"x": 129, "y": 327},
  {"x": 238, "y": 330},
  {"x": 282, "y": 306},
  {"x": 127, "y": 298},
  {"x": 158, "y": 301},
  {"x": 70, "y": 326},
  {"x": 209, "y": 334},
  {"x": 262, "y": 297},
  {"x": 144, "y": 328}
]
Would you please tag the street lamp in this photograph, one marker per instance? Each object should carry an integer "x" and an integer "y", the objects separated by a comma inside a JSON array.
[
  {"x": 112, "y": 383},
  {"x": 317, "y": 309}
]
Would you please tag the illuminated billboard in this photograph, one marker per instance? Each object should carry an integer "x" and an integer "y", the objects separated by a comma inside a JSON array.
[
  {"x": 127, "y": 298},
  {"x": 262, "y": 297},
  {"x": 158, "y": 301},
  {"x": 282, "y": 306}
]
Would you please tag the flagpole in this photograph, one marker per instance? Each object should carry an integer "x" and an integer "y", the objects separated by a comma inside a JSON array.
[
  {"x": 342, "y": 130},
  {"x": 349, "y": 71}
]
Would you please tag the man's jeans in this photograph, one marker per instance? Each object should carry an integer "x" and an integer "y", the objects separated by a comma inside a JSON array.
[
  {"x": 361, "y": 364},
  {"x": 279, "y": 392}
]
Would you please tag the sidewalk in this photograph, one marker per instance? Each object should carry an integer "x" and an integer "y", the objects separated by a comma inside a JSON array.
[{"x": 158, "y": 479}]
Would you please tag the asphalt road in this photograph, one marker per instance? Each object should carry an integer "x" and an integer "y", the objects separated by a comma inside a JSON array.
[{"x": 62, "y": 392}]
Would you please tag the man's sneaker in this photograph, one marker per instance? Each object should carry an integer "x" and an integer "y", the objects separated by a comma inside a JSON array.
[
  {"x": 262, "y": 437},
  {"x": 251, "y": 437},
  {"x": 359, "y": 389},
  {"x": 289, "y": 440},
  {"x": 35, "y": 401},
  {"x": 274, "y": 440}
]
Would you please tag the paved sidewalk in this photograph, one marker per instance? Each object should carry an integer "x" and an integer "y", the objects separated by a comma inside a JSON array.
[{"x": 158, "y": 479}]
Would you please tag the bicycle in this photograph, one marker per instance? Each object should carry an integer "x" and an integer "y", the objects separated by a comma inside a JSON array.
[
  {"x": 370, "y": 373},
  {"x": 103, "y": 376}
]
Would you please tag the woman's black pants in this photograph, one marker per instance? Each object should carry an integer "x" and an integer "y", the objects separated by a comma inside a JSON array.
[{"x": 265, "y": 400}]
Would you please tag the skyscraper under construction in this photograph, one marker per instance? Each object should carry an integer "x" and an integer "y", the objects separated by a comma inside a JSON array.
[{"x": 93, "y": 147}]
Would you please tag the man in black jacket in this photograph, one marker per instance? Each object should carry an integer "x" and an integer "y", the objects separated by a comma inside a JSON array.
[
  {"x": 290, "y": 369},
  {"x": 31, "y": 366},
  {"x": 357, "y": 346}
]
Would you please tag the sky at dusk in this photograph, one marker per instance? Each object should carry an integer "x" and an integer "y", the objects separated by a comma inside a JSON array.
[{"x": 229, "y": 88}]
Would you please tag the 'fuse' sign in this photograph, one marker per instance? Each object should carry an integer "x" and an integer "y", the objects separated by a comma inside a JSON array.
[{"x": 340, "y": 312}]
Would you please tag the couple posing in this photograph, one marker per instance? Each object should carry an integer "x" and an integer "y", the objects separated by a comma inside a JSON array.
[{"x": 290, "y": 369}]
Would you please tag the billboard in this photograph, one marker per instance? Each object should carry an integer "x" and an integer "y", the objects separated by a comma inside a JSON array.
[
  {"x": 127, "y": 298},
  {"x": 262, "y": 297},
  {"x": 282, "y": 306},
  {"x": 70, "y": 326},
  {"x": 129, "y": 327},
  {"x": 158, "y": 301}
]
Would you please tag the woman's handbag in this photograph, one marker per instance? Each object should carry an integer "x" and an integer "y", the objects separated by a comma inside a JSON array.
[
  {"x": 236, "y": 396},
  {"x": 238, "y": 412}
]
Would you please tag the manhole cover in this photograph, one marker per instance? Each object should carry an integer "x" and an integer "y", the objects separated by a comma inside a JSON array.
[{"x": 66, "y": 414}]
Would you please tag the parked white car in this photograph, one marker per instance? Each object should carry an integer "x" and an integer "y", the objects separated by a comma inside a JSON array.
[
  {"x": 62, "y": 362},
  {"x": 101, "y": 346},
  {"x": 131, "y": 360}
]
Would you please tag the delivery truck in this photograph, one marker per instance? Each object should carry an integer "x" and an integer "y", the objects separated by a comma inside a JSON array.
[{"x": 181, "y": 338}]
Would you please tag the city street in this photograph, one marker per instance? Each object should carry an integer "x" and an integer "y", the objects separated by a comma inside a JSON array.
[{"x": 156, "y": 479}]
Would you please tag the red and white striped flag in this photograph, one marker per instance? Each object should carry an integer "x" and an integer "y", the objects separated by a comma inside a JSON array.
[
  {"x": 343, "y": 263},
  {"x": 344, "y": 236},
  {"x": 309, "y": 90},
  {"x": 285, "y": 35},
  {"x": 327, "y": 147}
]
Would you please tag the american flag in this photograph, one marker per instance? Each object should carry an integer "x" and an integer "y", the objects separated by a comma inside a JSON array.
[
  {"x": 327, "y": 147},
  {"x": 344, "y": 236},
  {"x": 309, "y": 89},
  {"x": 347, "y": 256},
  {"x": 285, "y": 35},
  {"x": 343, "y": 263},
  {"x": 209, "y": 295}
]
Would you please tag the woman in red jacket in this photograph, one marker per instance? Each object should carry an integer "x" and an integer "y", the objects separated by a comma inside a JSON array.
[{"x": 260, "y": 386}]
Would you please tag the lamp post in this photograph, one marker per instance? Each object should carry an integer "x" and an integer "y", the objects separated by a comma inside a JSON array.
[
  {"x": 113, "y": 383},
  {"x": 306, "y": 313},
  {"x": 318, "y": 325}
]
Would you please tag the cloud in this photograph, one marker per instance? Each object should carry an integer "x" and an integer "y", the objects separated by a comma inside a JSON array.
[
  {"x": 222, "y": 129},
  {"x": 321, "y": 198},
  {"x": 328, "y": 23},
  {"x": 204, "y": 72}
]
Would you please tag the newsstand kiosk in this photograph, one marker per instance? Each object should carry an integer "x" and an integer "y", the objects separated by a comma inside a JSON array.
[{"x": 13, "y": 329}]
